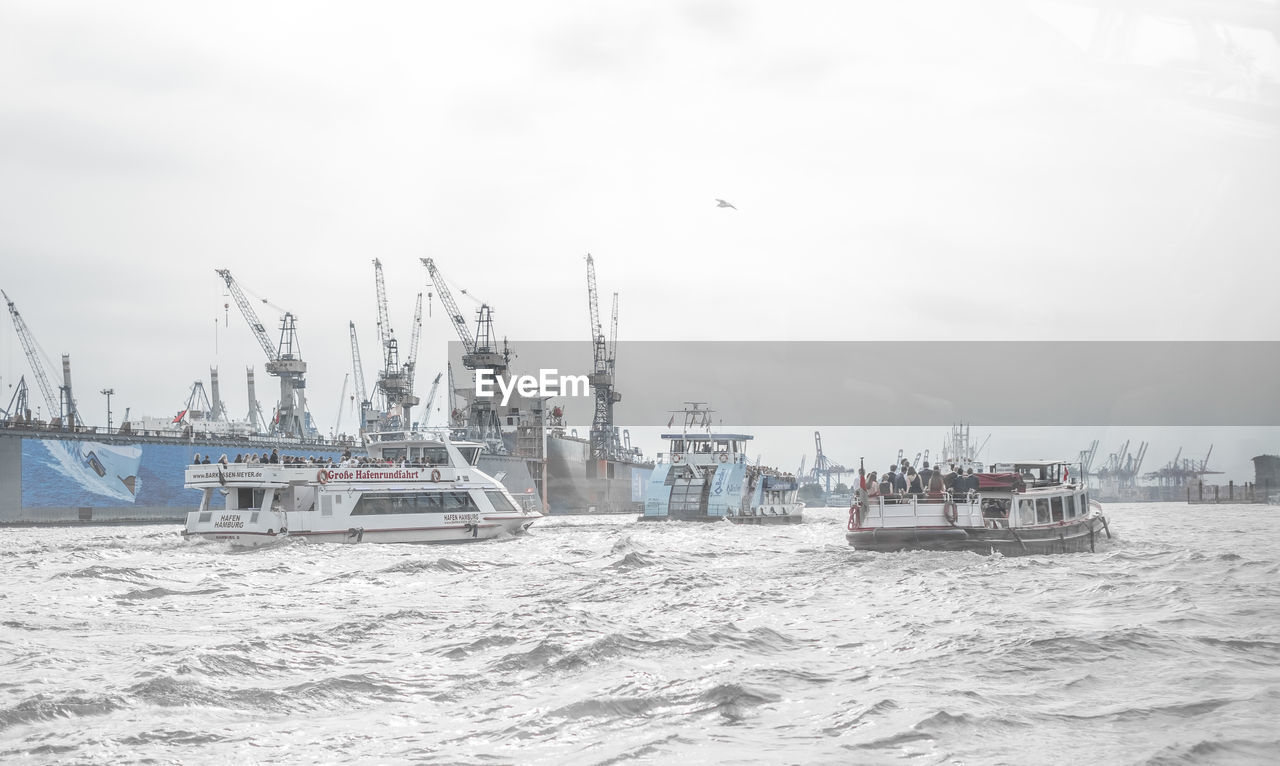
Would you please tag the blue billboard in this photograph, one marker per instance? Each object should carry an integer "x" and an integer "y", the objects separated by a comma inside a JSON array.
[{"x": 69, "y": 473}]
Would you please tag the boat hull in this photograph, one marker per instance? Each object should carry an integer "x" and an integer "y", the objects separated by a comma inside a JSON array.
[
  {"x": 759, "y": 519},
  {"x": 577, "y": 484},
  {"x": 1074, "y": 537},
  {"x": 261, "y": 529}
]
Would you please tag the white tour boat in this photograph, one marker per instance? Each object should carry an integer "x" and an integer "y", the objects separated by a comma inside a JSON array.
[
  {"x": 705, "y": 476},
  {"x": 1021, "y": 508},
  {"x": 412, "y": 488}
]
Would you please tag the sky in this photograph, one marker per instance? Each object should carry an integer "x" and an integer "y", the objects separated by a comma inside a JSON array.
[{"x": 920, "y": 170}]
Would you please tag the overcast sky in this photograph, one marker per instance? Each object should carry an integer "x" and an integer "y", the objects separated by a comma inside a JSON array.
[{"x": 901, "y": 170}]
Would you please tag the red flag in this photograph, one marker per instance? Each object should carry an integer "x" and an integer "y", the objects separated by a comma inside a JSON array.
[
  {"x": 672, "y": 420},
  {"x": 1066, "y": 473},
  {"x": 178, "y": 418}
]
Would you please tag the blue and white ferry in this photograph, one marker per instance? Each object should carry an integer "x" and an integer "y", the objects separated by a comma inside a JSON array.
[{"x": 705, "y": 476}]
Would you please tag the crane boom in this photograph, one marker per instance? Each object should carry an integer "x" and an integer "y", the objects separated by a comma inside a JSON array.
[
  {"x": 613, "y": 335},
  {"x": 450, "y": 306},
  {"x": 250, "y": 316},
  {"x": 357, "y": 367},
  {"x": 593, "y": 302},
  {"x": 412, "y": 361},
  {"x": 431, "y": 397},
  {"x": 33, "y": 358},
  {"x": 385, "y": 334}
]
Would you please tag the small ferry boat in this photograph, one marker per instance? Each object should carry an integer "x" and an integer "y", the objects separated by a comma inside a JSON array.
[
  {"x": 705, "y": 476},
  {"x": 1020, "y": 508},
  {"x": 412, "y": 488}
]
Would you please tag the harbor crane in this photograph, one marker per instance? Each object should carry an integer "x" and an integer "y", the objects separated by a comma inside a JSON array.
[
  {"x": 431, "y": 398},
  {"x": 1182, "y": 472},
  {"x": 411, "y": 364},
  {"x": 358, "y": 376},
  {"x": 19, "y": 410},
  {"x": 395, "y": 381},
  {"x": 64, "y": 404},
  {"x": 823, "y": 466},
  {"x": 604, "y": 438},
  {"x": 479, "y": 352},
  {"x": 284, "y": 361},
  {"x": 1086, "y": 459}
]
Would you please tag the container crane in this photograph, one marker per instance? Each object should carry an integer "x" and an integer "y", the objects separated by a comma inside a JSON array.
[
  {"x": 63, "y": 403},
  {"x": 823, "y": 467},
  {"x": 604, "y": 441},
  {"x": 283, "y": 361}
]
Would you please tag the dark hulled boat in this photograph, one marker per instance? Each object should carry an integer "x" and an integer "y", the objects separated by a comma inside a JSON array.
[{"x": 1028, "y": 507}]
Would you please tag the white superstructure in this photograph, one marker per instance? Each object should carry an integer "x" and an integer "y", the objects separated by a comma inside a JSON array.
[{"x": 412, "y": 488}]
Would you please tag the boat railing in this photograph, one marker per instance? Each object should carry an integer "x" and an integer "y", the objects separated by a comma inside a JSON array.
[{"x": 924, "y": 510}]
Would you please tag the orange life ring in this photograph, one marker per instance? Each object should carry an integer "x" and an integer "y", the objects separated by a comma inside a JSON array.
[
  {"x": 950, "y": 512},
  {"x": 435, "y": 474},
  {"x": 322, "y": 477},
  {"x": 724, "y": 457},
  {"x": 677, "y": 457}
]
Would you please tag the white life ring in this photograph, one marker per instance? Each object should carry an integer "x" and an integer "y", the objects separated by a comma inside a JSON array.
[
  {"x": 322, "y": 477},
  {"x": 724, "y": 457},
  {"x": 677, "y": 457}
]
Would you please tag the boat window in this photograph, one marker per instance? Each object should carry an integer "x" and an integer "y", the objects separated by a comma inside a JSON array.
[
  {"x": 1042, "y": 511},
  {"x": 393, "y": 454},
  {"x": 1026, "y": 512},
  {"x": 431, "y": 503},
  {"x": 1084, "y": 503},
  {"x": 995, "y": 509},
  {"x": 1071, "y": 506},
  {"x": 685, "y": 497},
  {"x": 469, "y": 454},
  {"x": 458, "y": 501},
  {"x": 499, "y": 500},
  {"x": 677, "y": 445},
  {"x": 1056, "y": 505},
  {"x": 722, "y": 446}
]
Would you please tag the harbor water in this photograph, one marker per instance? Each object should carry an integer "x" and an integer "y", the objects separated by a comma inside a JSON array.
[{"x": 600, "y": 640}]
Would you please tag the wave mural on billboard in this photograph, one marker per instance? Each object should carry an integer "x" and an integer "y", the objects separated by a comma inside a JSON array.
[{"x": 58, "y": 473}]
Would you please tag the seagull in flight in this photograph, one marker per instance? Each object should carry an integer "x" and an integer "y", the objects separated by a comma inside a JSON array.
[{"x": 722, "y": 203}]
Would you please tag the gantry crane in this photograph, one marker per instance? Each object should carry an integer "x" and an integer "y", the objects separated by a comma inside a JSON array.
[
  {"x": 823, "y": 467},
  {"x": 283, "y": 361},
  {"x": 604, "y": 440},
  {"x": 479, "y": 352},
  {"x": 63, "y": 405}
]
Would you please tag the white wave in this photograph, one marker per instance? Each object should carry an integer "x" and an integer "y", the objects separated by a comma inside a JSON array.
[{"x": 74, "y": 460}]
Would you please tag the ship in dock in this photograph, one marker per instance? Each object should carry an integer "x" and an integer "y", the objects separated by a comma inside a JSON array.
[
  {"x": 57, "y": 469},
  {"x": 602, "y": 473}
]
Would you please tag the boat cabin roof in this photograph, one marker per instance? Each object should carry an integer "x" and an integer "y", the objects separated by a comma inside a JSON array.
[{"x": 709, "y": 437}]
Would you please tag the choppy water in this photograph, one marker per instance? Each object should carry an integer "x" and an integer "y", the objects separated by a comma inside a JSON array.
[{"x": 599, "y": 640}]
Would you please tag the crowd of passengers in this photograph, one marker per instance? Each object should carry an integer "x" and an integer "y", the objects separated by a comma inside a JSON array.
[
  {"x": 274, "y": 457},
  {"x": 905, "y": 482}
]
